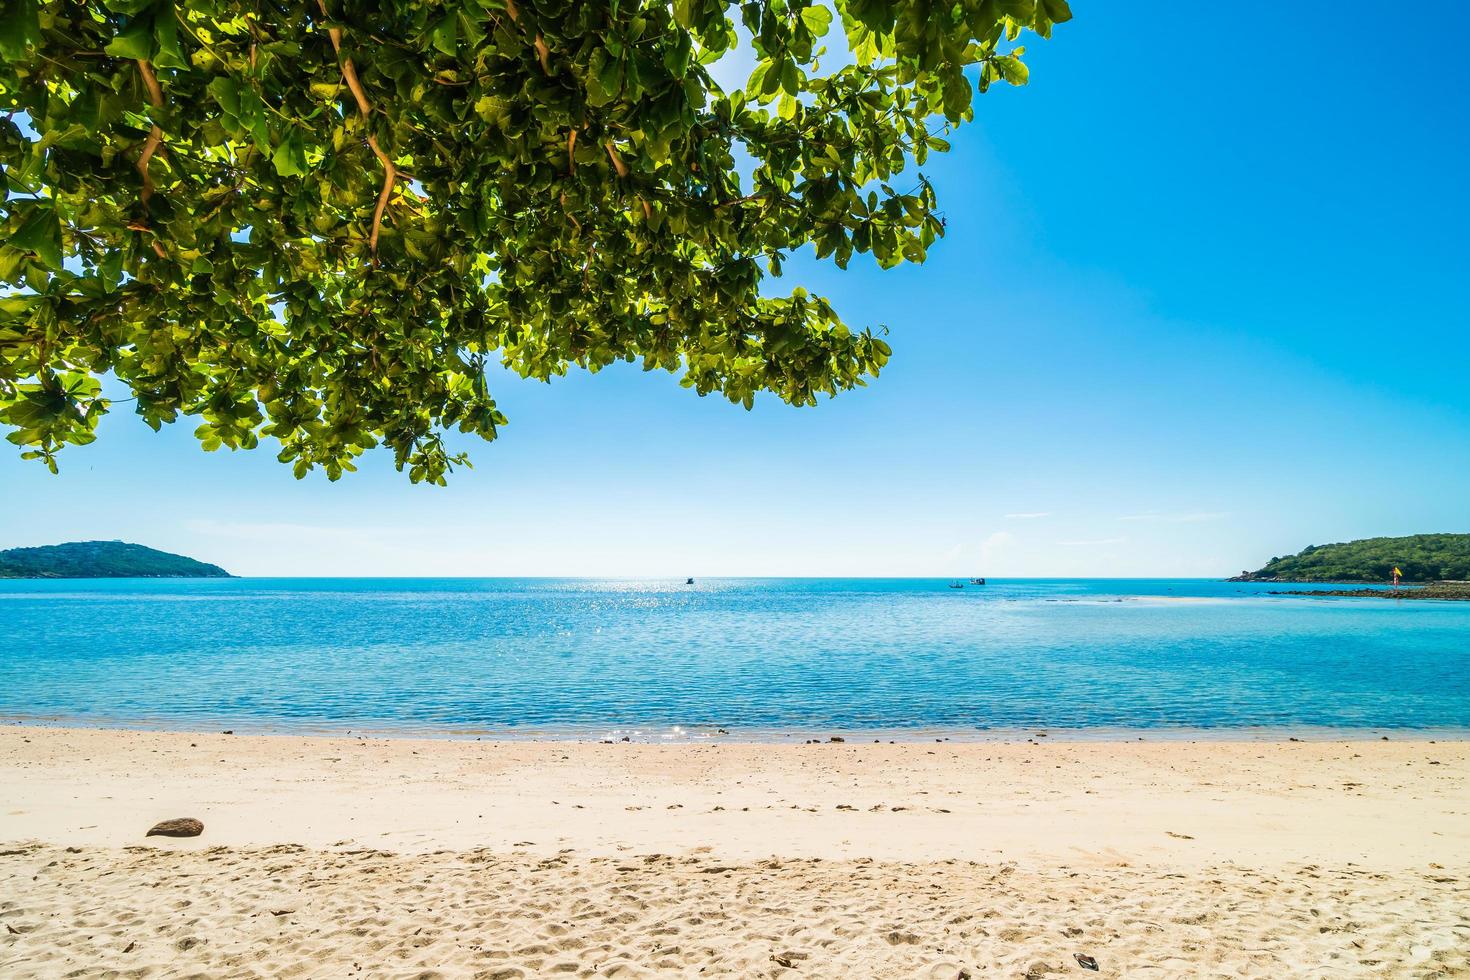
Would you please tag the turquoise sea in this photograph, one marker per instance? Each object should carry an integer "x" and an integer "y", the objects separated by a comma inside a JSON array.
[{"x": 754, "y": 657}]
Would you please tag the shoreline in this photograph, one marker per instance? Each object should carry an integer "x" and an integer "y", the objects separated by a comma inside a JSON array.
[
  {"x": 1418, "y": 593},
  {"x": 345, "y": 855},
  {"x": 710, "y": 734}
]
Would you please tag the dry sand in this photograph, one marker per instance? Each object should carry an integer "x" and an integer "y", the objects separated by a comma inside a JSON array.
[{"x": 345, "y": 856}]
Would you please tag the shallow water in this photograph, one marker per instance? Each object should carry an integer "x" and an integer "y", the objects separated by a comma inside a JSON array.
[{"x": 584, "y": 657}]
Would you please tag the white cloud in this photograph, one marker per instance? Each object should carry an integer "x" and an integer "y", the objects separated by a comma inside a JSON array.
[
  {"x": 1092, "y": 542},
  {"x": 1028, "y": 516},
  {"x": 1177, "y": 518}
]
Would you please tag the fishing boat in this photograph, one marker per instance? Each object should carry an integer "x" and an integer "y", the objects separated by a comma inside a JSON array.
[
  {"x": 689, "y": 581},
  {"x": 977, "y": 581},
  {"x": 957, "y": 585}
]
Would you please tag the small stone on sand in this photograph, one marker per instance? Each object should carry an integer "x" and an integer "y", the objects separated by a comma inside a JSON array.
[{"x": 180, "y": 827}]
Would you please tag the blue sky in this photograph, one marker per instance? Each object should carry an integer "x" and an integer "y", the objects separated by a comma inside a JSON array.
[{"x": 1201, "y": 303}]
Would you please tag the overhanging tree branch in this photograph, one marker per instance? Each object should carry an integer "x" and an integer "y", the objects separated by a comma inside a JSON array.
[
  {"x": 543, "y": 54},
  {"x": 617, "y": 161},
  {"x": 365, "y": 111},
  {"x": 268, "y": 318},
  {"x": 150, "y": 145}
]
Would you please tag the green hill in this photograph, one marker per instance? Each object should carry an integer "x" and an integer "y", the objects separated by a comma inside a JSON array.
[
  {"x": 101, "y": 559},
  {"x": 1421, "y": 557}
]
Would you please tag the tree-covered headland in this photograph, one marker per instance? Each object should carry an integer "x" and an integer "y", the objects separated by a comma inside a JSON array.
[
  {"x": 101, "y": 559},
  {"x": 1421, "y": 558}
]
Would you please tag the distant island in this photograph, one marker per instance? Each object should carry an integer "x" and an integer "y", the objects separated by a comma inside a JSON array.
[
  {"x": 102, "y": 559},
  {"x": 1421, "y": 557}
]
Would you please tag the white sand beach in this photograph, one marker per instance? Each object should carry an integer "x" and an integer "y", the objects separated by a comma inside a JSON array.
[{"x": 398, "y": 857}]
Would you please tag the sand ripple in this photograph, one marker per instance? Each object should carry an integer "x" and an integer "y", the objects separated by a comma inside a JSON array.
[{"x": 291, "y": 911}]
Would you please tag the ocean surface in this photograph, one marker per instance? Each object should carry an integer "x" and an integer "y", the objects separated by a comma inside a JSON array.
[{"x": 759, "y": 658}]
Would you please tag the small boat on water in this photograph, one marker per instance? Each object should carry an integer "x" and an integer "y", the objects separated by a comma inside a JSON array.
[
  {"x": 977, "y": 581},
  {"x": 689, "y": 581},
  {"x": 957, "y": 585}
]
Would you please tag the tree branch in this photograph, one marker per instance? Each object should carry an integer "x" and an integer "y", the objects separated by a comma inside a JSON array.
[
  {"x": 617, "y": 161},
  {"x": 543, "y": 54},
  {"x": 570, "y": 217},
  {"x": 740, "y": 200},
  {"x": 151, "y": 145},
  {"x": 365, "y": 111}
]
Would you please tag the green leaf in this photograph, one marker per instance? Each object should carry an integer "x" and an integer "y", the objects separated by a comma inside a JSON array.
[
  {"x": 611, "y": 76},
  {"x": 1012, "y": 69},
  {"x": 676, "y": 58},
  {"x": 166, "y": 33},
  {"x": 446, "y": 35},
  {"x": 957, "y": 97},
  {"x": 41, "y": 233},
  {"x": 757, "y": 80},
  {"x": 1057, "y": 11},
  {"x": 771, "y": 83},
  {"x": 11, "y": 260},
  {"x": 226, "y": 93},
  {"x": 290, "y": 157},
  {"x": 472, "y": 26},
  {"x": 817, "y": 20},
  {"x": 790, "y": 77},
  {"x": 19, "y": 26},
  {"x": 128, "y": 7},
  {"x": 136, "y": 42}
]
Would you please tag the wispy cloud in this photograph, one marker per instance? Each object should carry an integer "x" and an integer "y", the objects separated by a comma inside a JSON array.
[
  {"x": 1092, "y": 542},
  {"x": 1191, "y": 518},
  {"x": 1028, "y": 516}
]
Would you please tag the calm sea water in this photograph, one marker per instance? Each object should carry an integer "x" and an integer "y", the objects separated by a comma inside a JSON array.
[{"x": 753, "y": 656}]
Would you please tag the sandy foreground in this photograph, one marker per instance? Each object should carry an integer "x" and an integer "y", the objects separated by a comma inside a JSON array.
[{"x": 357, "y": 856}]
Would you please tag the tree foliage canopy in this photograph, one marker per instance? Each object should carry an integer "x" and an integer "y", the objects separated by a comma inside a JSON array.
[{"x": 319, "y": 220}]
